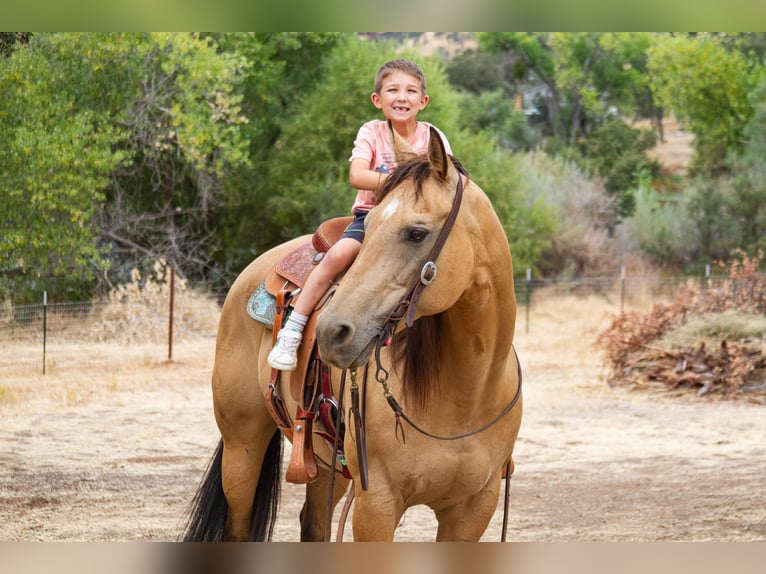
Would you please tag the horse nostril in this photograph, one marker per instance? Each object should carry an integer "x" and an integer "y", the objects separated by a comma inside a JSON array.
[{"x": 342, "y": 334}]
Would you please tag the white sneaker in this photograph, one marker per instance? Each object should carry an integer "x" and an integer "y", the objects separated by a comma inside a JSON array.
[{"x": 284, "y": 355}]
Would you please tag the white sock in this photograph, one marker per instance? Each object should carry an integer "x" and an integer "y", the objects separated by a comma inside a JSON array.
[{"x": 296, "y": 322}]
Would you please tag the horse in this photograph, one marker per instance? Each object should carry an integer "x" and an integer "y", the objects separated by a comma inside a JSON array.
[{"x": 429, "y": 306}]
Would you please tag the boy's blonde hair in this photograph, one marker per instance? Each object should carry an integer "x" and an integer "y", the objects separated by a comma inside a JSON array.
[{"x": 406, "y": 66}]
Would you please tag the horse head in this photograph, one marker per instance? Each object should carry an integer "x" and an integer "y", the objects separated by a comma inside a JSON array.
[{"x": 401, "y": 232}]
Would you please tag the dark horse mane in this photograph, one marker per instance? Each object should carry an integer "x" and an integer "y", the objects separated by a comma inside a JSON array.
[{"x": 415, "y": 350}]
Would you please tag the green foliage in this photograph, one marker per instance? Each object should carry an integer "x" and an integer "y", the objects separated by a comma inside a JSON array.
[
  {"x": 284, "y": 69},
  {"x": 55, "y": 159},
  {"x": 493, "y": 112},
  {"x": 478, "y": 72},
  {"x": 573, "y": 216},
  {"x": 584, "y": 75},
  {"x": 710, "y": 206},
  {"x": 707, "y": 84},
  {"x": 660, "y": 227},
  {"x": 617, "y": 154},
  {"x": 748, "y": 205},
  {"x": 155, "y": 117}
]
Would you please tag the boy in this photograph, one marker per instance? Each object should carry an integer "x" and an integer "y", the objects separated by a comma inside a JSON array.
[{"x": 400, "y": 93}]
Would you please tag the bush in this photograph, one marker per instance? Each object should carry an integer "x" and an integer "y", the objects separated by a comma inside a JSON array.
[{"x": 654, "y": 348}]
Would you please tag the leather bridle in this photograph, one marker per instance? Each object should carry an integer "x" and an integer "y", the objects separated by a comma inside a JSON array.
[{"x": 409, "y": 303}]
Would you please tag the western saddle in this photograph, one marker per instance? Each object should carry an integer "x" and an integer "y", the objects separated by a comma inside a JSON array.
[{"x": 310, "y": 383}]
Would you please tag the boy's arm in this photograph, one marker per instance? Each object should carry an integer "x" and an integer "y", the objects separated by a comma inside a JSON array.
[{"x": 362, "y": 177}]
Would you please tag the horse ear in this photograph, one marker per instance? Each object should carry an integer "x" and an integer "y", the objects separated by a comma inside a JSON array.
[
  {"x": 437, "y": 154},
  {"x": 402, "y": 149}
]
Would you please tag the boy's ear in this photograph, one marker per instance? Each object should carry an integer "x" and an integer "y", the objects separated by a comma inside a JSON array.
[{"x": 375, "y": 97}]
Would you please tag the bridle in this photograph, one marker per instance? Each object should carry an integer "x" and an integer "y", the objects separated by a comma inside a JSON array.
[{"x": 408, "y": 305}]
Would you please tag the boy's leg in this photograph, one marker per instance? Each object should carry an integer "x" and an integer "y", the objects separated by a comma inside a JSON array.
[
  {"x": 284, "y": 355},
  {"x": 337, "y": 259}
]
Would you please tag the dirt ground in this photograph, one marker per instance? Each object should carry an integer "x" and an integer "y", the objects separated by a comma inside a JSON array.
[{"x": 112, "y": 448}]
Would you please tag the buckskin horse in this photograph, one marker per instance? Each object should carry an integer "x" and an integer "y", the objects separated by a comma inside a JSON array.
[{"x": 428, "y": 311}]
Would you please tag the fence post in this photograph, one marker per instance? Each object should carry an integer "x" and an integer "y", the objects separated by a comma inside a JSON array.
[
  {"x": 170, "y": 317},
  {"x": 622, "y": 288},
  {"x": 528, "y": 297},
  {"x": 45, "y": 325},
  {"x": 706, "y": 283}
]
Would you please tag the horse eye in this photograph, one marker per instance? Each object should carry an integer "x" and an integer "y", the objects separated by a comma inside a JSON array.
[{"x": 416, "y": 234}]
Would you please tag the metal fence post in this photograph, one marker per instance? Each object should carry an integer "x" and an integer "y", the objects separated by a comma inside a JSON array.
[
  {"x": 45, "y": 325},
  {"x": 170, "y": 317},
  {"x": 622, "y": 289}
]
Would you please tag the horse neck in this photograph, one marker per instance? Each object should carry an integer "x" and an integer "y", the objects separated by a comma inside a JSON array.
[{"x": 478, "y": 330}]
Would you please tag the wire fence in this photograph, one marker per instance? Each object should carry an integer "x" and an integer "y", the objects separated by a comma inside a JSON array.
[{"x": 31, "y": 334}]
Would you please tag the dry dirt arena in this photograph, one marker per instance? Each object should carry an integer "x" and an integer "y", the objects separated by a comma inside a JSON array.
[{"x": 111, "y": 443}]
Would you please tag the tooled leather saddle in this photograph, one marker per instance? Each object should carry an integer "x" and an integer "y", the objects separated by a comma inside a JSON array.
[{"x": 310, "y": 383}]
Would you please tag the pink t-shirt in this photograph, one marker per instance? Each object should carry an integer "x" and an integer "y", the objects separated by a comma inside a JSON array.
[{"x": 373, "y": 144}]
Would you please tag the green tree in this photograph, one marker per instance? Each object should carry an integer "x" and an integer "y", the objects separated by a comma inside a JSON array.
[
  {"x": 478, "y": 71},
  {"x": 584, "y": 75},
  {"x": 748, "y": 205},
  {"x": 617, "y": 154},
  {"x": 167, "y": 106},
  {"x": 55, "y": 159},
  {"x": 708, "y": 85},
  {"x": 283, "y": 69}
]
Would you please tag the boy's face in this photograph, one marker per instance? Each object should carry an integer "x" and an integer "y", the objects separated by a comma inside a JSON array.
[{"x": 401, "y": 97}]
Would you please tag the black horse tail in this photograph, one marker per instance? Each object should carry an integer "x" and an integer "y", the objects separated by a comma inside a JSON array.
[
  {"x": 208, "y": 509},
  {"x": 266, "y": 502}
]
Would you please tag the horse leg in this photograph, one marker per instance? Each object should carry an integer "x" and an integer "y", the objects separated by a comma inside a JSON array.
[
  {"x": 467, "y": 520},
  {"x": 239, "y": 476},
  {"x": 376, "y": 516},
  {"x": 314, "y": 511}
]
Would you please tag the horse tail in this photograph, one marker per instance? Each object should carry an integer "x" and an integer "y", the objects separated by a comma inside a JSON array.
[
  {"x": 207, "y": 510},
  {"x": 266, "y": 502}
]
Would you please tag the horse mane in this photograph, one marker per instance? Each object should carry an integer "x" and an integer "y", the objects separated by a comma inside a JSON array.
[
  {"x": 417, "y": 169},
  {"x": 415, "y": 351}
]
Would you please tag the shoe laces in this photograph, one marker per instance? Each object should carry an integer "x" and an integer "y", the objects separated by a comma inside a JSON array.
[{"x": 289, "y": 339}]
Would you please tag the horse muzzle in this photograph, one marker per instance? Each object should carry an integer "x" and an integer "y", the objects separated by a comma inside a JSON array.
[{"x": 342, "y": 345}]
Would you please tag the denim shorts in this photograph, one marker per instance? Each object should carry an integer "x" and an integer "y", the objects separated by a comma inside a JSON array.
[{"x": 355, "y": 229}]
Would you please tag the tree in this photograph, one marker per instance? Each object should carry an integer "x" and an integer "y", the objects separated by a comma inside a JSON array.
[
  {"x": 166, "y": 109},
  {"x": 748, "y": 205},
  {"x": 585, "y": 75},
  {"x": 283, "y": 70},
  {"x": 617, "y": 154},
  {"x": 55, "y": 159},
  {"x": 708, "y": 85}
]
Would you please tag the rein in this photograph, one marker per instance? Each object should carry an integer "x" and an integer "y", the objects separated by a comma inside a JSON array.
[{"x": 381, "y": 376}]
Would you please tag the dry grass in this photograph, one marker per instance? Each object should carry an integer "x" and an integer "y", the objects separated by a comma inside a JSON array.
[
  {"x": 81, "y": 373},
  {"x": 138, "y": 311}
]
